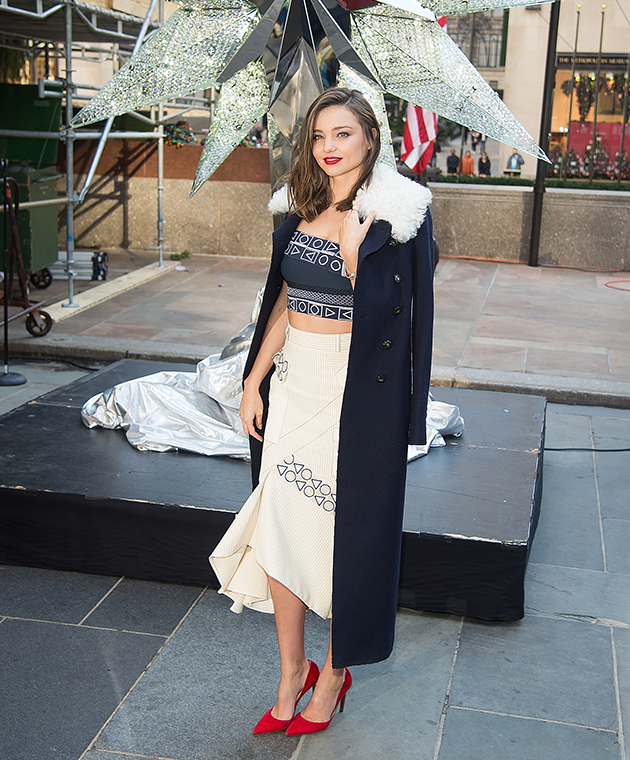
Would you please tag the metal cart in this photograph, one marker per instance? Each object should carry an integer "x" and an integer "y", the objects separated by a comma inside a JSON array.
[{"x": 38, "y": 321}]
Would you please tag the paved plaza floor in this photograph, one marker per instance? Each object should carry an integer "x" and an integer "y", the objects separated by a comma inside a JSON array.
[
  {"x": 558, "y": 332},
  {"x": 100, "y": 668}
]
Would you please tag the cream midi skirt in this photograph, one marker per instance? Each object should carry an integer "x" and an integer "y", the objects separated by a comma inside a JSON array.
[{"x": 285, "y": 529}]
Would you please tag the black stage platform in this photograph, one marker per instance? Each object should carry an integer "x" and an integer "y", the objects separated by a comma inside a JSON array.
[{"x": 85, "y": 500}]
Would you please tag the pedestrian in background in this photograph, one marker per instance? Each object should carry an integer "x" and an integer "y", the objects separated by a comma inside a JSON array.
[
  {"x": 452, "y": 162},
  {"x": 468, "y": 165},
  {"x": 436, "y": 150},
  {"x": 483, "y": 165},
  {"x": 515, "y": 161}
]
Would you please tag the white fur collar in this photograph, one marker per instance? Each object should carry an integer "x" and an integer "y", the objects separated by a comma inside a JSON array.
[{"x": 397, "y": 200}]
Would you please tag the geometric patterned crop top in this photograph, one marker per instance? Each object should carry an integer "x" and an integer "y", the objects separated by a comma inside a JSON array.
[{"x": 313, "y": 270}]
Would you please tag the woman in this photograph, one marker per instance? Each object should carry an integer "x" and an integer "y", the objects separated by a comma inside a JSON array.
[
  {"x": 347, "y": 320},
  {"x": 484, "y": 165}
]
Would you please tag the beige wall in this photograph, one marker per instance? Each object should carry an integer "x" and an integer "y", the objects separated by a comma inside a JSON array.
[
  {"x": 579, "y": 228},
  {"x": 494, "y": 75},
  {"x": 616, "y": 27},
  {"x": 92, "y": 72},
  {"x": 228, "y": 218}
]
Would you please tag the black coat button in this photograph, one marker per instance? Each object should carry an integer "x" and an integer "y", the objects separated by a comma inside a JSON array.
[
  {"x": 381, "y": 378},
  {"x": 397, "y": 309},
  {"x": 387, "y": 344},
  {"x": 397, "y": 278}
]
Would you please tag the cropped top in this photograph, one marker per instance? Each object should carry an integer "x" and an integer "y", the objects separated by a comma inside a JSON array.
[{"x": 315, "y": 275}]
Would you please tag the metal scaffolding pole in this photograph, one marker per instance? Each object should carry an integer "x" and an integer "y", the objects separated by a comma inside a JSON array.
[
  {"x": 69, "y": 135},
  {"x": 110, "y": 121},
  {"x": 160, "y": 187},
  {"x": 160, "y": 167},
  {"x": 78, "y": 135},
  {"x": 38, "y": 204},
  {"x": 69, "y": 159}
]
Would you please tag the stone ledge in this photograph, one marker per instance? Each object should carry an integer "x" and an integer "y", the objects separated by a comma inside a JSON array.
[
  {"x": 561, "y": 390},
  {"x": 109, "y": 349},
  {"x": 107, "y": 290}
]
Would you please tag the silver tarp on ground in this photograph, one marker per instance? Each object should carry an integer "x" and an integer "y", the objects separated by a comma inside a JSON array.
[
  {"x": 198, "y": 411},
  {"x": 193, "y": 411}
]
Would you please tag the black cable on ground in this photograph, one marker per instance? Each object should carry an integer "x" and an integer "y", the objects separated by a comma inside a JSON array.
[
  {"x": 79, "y": 366},
  {"x": 58, "y": 360},
  {"x": 600, "y": 451}
]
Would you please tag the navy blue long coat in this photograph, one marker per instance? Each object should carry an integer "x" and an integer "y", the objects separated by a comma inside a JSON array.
[{"x": 383, "y": 409}]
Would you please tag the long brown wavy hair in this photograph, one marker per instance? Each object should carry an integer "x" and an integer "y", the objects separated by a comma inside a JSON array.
[{"x": 309, "y": 185}]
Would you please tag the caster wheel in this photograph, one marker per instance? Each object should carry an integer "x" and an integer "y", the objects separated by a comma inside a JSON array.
[
  {"x": 41, "y": 279},
  {"x": 39, "y": 325}
]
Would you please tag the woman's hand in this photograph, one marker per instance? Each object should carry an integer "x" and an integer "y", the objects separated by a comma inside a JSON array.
[
  {"x": 251, "y": 412},
  {"x": 351, "y": 234}
]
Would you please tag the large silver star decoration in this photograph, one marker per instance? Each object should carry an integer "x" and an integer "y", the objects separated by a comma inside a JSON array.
[{"x": 395, "y": 46}]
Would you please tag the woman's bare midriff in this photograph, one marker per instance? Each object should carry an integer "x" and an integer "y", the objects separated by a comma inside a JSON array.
[{"x": 308, "y": 323}]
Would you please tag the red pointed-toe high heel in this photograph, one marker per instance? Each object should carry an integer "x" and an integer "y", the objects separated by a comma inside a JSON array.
[
  {"x": 300, "y": 725},
  {"x": 268, "y": 724}
]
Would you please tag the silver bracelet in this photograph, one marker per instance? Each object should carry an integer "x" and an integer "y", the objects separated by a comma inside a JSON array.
[{"x": 345, "y": 273}]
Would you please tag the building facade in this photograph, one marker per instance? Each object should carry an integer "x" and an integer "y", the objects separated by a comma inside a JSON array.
[{"x": 517, "y": 71}]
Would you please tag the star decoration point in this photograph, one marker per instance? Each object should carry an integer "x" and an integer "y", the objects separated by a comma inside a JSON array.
[{"x": 395, "y": 46}]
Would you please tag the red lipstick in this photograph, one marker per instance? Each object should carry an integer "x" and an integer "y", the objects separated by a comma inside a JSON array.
[{"x": 332, "y": 160}]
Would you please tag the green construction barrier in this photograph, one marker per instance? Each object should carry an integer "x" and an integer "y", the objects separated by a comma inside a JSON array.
[{"x": 21, "y": 108}]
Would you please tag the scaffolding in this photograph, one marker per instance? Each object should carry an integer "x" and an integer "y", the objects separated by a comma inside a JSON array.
[{"x": 69, "y": 30}]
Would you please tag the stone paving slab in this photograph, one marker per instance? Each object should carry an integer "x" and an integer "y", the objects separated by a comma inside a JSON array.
[
  {"x": 617, "y": 538},
  {"x": 621, "y": 651},
  {"x": 593, "y": 412},
  {"x": 59, "y": 597},
  {"x": 141, "y": 606},
  {"x": 107, "y": 290},
  {"x": 572, "y": 592},
  {"x": 574, "y": 517},
  {"x": 596, "y": 391},
  {"x": 473, "y": 735},
  {"x": 537, "y": 668},
  {"x": 211, "y": 683},
  {"x": 613, "y": 491},
  {"x": 41, "y": 378},
  {"x": 61, "y": 683},
  {"x": 394, "y": 707}
]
